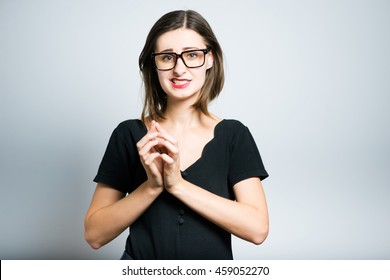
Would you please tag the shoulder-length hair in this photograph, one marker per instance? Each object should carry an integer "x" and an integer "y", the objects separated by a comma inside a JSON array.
[{"x": 155, "y": 101}]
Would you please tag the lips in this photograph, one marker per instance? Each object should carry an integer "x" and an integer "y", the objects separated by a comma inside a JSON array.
[{"x": 180, "y": 83}]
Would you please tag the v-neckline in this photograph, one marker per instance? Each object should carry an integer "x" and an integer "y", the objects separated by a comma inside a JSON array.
[{"x": 203, "y": 149}]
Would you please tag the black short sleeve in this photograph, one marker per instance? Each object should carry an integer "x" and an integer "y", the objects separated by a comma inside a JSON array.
[
  {"x": 245, "y": 160},
  {"x": 120, "y": 161}
]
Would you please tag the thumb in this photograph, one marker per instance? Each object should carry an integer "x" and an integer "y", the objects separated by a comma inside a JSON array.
[
  {"x": 152, "y": 127},
  {"x": 158, "y": 127}
]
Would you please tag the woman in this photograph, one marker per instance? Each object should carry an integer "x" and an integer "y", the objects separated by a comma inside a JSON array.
[{"x": 181, "y": 178}]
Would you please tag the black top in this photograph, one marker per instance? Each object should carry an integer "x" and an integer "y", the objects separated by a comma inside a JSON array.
[{"x": 169, "y": 229}]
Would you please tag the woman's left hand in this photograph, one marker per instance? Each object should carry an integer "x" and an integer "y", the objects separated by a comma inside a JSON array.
[{"x": 170, "y": 155}]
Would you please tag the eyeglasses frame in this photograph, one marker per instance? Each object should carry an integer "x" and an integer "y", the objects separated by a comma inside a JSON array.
[{"x": 205, "y": 51}]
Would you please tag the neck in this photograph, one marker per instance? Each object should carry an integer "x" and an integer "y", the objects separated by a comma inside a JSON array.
[{"x": 182, "y": 117}]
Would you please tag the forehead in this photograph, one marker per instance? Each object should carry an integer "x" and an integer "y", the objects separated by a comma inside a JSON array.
[{"x": 179, "y": 39}]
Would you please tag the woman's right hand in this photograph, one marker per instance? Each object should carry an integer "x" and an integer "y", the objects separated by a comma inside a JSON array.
[{"x": 150, "y": 157}]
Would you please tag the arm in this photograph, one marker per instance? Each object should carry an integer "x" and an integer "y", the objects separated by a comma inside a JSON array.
[
  {"x": 247, "y": 217},
  {"x": 111, "y": 212}
]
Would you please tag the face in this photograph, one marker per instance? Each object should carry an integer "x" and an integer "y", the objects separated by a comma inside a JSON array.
[{"x": 182, "y": 82}]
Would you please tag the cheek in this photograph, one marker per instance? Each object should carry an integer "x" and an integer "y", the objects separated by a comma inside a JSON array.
[
  {"x": 164, "y": 81},
  {"x": 201, "y": 77},
  {"x": 159, "y": 76},
  {"x": 162, "y": 77}
]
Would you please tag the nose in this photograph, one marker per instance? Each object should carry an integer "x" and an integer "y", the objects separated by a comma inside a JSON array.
[{"x": 180, "y": 68}]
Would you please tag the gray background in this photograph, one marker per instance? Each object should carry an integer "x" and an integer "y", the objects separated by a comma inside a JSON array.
[{"x": 309, "y": 78}]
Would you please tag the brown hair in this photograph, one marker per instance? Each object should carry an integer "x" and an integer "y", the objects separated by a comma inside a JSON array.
[{"x": 155, "y": 98}]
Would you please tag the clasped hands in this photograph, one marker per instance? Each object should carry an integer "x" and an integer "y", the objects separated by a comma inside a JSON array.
[{"x": 159, "y": 154}]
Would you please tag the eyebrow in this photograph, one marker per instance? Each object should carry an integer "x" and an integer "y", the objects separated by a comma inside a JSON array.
[{"x": 184, "y": 49}]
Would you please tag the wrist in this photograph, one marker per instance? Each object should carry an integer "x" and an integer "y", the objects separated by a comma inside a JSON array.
[
  {"x": 152, "y": 188},
  {"x": 177, "y": 188}
]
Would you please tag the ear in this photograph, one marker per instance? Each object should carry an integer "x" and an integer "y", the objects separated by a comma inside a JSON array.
[{"x": 209, "y": 60}]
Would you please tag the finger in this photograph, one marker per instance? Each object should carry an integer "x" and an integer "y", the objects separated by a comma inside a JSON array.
[
  {"x": 171, "y": 148},
  {"x": 164, "y": 134},
  {"x": 167, "y": 159},
  {"x": 158, "y": 127},
  {"x": 150, "y": 166},
  {"x": 150, "y": 158},
  {"x": 152, "y": 127},
  {"x": 147, "y": 149},
  {"x": 168, "y": 137},
  {"x": 147, "y": 138}
]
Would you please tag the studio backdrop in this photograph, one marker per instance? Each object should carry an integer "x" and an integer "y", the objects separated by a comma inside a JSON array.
[{"x": 309, "y": 78}]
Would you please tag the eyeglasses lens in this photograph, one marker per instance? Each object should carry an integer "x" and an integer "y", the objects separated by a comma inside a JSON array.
[{"x": 191, "y": 59}]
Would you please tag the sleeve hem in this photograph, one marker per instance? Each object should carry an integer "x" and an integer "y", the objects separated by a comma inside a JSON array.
[
  {"x": 262, "y": 174},
  {"x": 109, "y": 182}
]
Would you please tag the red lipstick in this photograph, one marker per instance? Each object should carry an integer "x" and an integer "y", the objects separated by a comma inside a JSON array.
[{"x": 180, "y": 83}]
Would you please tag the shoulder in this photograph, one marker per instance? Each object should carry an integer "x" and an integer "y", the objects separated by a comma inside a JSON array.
[
  {"x": 235, "y": 132},
  {"x": 232, "y": 126},
  {"x": 133, "y": 128},
  {"x": 133, "y": 123}
]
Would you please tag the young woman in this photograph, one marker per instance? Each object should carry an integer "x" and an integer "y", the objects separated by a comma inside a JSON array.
[{"x": 182, "y": 179}]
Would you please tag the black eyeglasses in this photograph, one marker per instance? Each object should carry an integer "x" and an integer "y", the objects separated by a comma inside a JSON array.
[{"x": 191, "y": 59}]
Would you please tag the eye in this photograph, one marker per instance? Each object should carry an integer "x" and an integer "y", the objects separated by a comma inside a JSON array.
[
  {"x": 167, "y": 57},
  {"x": 192, "y": 55}
]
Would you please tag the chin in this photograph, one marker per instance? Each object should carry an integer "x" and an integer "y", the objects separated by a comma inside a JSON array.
[
  {"x": 182, "y": 93},
  {"x": 183, "y": 96}
]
